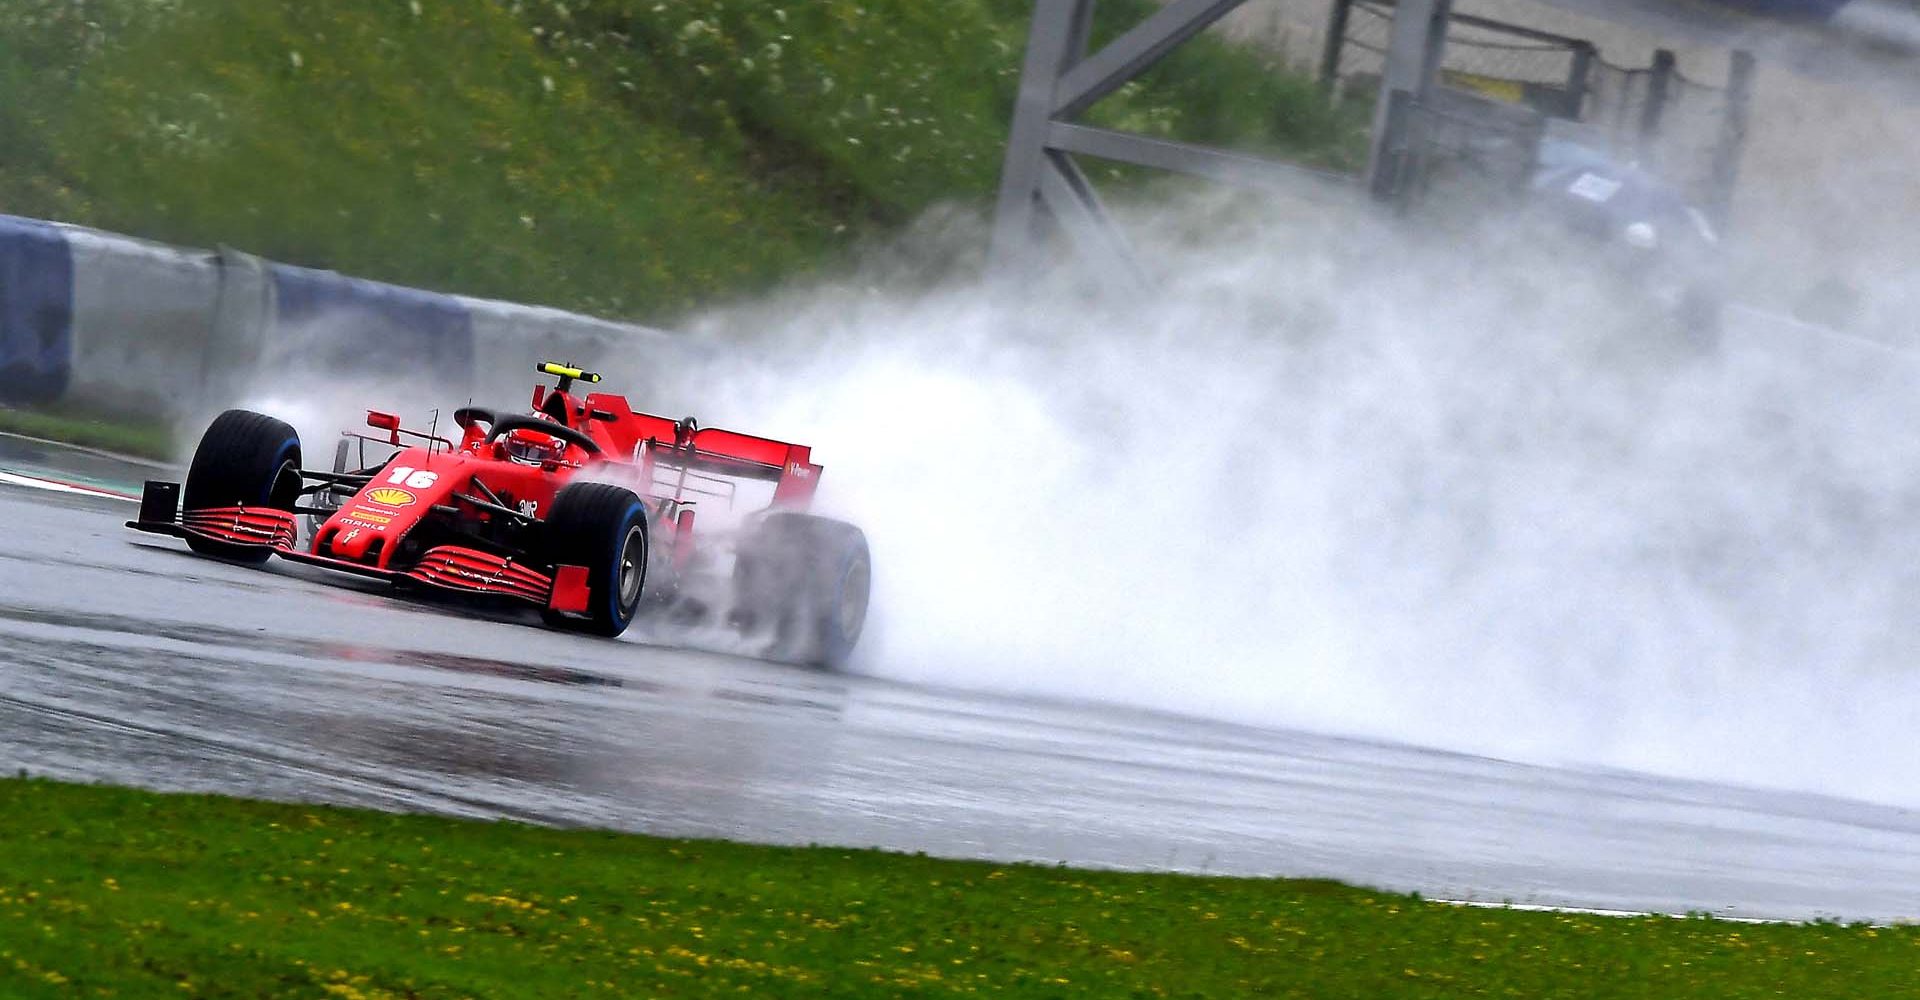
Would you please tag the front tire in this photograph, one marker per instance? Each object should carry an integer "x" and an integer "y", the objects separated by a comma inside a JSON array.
[
  {"x": 245, "y": 459},
  {"x": 603, "y": 528}
]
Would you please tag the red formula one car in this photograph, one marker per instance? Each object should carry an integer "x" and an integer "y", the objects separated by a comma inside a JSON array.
[{"x": 590, "y": 511}]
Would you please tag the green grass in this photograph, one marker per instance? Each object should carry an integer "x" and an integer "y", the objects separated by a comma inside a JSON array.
[
  {"x": 109, "y": 892},
  {"x": 78, "y": 426},
  {"x": 626, "y": 157}
]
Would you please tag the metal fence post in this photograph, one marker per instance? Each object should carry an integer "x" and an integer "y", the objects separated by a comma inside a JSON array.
[
  {"x": 1414, "y": 52},
  {"x": 1336, "y": 44},
  {"x": 1388, "y": 177},
  {"x": 1579, "y": 80},
  {"x": 1659, "y": 88},
  {"x": 1727, "y": 153}
]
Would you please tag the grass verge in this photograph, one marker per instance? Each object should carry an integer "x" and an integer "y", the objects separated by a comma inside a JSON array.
[
  {"x": 111, "y": 892},
  {"x": 69, "y": 425}
]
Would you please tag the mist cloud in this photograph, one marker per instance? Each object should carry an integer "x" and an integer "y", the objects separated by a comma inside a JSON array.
[{"x": 1457, "y": 489}]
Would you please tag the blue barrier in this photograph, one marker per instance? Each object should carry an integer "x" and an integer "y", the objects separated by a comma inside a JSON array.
[
  {"x": 36, "y": 311},
  {"x": 351, "y": 325}
]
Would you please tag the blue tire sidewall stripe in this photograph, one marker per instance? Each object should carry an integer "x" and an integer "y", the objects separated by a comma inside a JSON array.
[
  {"x": 635, "y": 509},
  {"x": 279, "y": 461}
]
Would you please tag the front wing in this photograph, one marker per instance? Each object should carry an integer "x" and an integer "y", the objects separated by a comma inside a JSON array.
[{"x": 444, "y": 567}]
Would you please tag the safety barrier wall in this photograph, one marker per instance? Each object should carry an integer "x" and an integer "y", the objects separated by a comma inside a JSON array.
[
  {"x": 141, "y": 319},
  {"x": 504, "y": 351},
  {"x": 36, "y": 310},
  {"x": 350, "y": 326},
  {"x": 137, "y": 327}
]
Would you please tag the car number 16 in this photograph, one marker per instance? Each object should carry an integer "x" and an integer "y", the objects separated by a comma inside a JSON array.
[{"x": 419, "y": 479}]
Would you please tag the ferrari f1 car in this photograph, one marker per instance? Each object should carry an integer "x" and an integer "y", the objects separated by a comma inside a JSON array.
[{"x": 583, "y": 508}]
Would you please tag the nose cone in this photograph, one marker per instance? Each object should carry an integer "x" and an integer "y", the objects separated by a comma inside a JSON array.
[
  {"x": 406, "y": 490},
  {"x": 359, "y": 532},
  {"x": 355, "y": 541}
]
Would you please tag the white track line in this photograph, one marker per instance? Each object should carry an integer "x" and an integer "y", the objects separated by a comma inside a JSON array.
[
  {"x": 55, "y": 486},
  {"x": 1587, "y": 911}
]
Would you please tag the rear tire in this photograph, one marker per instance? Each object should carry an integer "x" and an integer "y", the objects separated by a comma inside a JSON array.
[
  {"x": 808, "y": 581},
  {"x": 245, "y": 459},
  {"x": 603, "y": 528}
]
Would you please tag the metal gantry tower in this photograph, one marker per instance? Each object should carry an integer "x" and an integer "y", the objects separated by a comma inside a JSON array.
[{"x": 1061, "y": 79}]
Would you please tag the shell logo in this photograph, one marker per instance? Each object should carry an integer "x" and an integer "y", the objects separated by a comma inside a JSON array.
[{"x": 387, "y": 496}]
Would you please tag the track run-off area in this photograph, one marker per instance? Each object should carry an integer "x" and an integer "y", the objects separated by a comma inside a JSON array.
[{"x": 126, "y": 660}]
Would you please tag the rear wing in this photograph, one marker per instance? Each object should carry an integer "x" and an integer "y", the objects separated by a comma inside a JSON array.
[{"x": 655, "y": 442}]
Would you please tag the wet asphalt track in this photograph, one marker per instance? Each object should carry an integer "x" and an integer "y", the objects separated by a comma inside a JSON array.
[{"x": 124, "y": 659}]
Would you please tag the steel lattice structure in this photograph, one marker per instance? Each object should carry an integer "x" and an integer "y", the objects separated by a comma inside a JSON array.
[{"x": 1061, "y": 79}]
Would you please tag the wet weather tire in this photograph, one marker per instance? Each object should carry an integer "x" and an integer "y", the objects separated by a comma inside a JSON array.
[
  {"x": 603, "y": 528},
  {"x": 806, "y": 581},
  {"x": 244, "y": 459}
]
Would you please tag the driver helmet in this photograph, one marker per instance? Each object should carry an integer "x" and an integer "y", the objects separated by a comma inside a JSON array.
[{"x": 532, "y": 447}]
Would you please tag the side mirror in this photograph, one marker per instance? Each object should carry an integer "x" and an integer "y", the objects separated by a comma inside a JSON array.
[{"x": 385, "y": 422}]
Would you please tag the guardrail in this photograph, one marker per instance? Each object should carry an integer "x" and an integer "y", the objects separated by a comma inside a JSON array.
[{"x": 138, "y": 327}]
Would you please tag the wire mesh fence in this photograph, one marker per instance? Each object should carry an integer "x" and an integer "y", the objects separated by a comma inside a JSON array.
[
  {"x": 1505, "y": 62},
  {"x": 1669, "y": 123},
  {"x": 1655, "y": 116}
]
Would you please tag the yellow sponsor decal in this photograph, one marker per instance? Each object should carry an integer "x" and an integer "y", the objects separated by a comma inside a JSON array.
[
  {"x": 1498, "y": 88},
  {"x": 368, "y": 514},
  {"x": 387, "y": 496}
]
